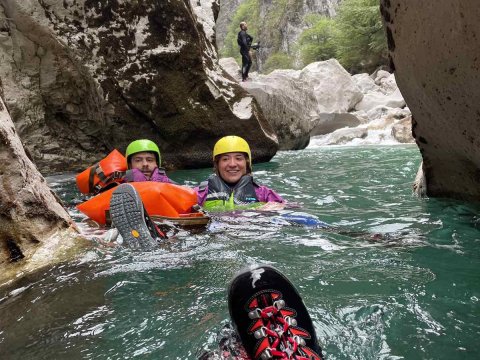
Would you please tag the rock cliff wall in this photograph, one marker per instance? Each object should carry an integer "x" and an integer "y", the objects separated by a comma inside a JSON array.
[
  {"x": 34, "y": 227},
  {"x": 283, "y": 22},
  {"x": 435, "y": 51},
  {"x": 82, "y": 77}
]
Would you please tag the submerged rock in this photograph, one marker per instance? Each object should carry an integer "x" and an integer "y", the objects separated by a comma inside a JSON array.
[
  {"x": 434, "y": 51},
  {"x": 83, "y": 77},
  {"x": 35, "y": 229}
]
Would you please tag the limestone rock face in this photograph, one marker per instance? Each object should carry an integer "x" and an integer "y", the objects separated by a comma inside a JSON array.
[
  {"x": 297, "y": 101},
  {"x": 82, "y": 77},
  {"x": 332, "y": 85},
  {"x": 434, "y": 49},
  {"x": 402, "y": 130},
  {"x": 224, "y": 20},
  {"x": 321, "y": 99},
  {"x": 289, "y": 108},
  {"x": 381, "y": 91},
  {"x": 290, "y": 25},
  {"x": 34, "y": 227}
]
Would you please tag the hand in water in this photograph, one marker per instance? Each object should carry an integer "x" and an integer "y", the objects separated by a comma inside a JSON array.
[{"x": 272, "y": 206}]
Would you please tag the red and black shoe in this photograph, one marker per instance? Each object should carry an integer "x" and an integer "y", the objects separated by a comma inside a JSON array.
[
  {"x": 132, "y": 220},
  {"x": 270, "y": 317}
]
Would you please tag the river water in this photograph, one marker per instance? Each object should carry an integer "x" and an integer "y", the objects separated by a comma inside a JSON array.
[{"x": 411, "y": 292}]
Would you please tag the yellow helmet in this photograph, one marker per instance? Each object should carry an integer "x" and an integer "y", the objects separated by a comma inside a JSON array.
[{"x": 232, "y": 143}]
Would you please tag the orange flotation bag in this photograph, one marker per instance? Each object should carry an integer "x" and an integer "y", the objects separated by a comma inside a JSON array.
[
  {"x": 160, "y": 199},
  {"x": 106, "y": 172}
]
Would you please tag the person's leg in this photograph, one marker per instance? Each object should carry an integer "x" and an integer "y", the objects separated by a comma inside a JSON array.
[
  {"x": 249, "y": 64},
  {"x": 245, "y": 64},
  {"x": 270, "y": 317}
]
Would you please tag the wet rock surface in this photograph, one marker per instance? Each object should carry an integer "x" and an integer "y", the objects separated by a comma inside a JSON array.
[
  {"x": 323, "y": 98},
  {"x": 83, "y": 77},
  {"x": 434, "y": 50},
  {"x": 35, "y": 229}
]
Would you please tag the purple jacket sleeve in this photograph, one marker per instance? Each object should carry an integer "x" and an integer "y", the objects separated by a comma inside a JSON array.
[
  {"x": 201, "y": 195},
  {"x": 264, "y": 194}
]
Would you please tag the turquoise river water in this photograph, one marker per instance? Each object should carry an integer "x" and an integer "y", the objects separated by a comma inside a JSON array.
[{"x": 412, "y": 293}]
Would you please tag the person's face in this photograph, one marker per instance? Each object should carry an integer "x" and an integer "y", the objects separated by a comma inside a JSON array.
[
  {"x": 232, "y": 166},
  {"x": 244, "y": 27},
  {"x": 146, "y": 162}
]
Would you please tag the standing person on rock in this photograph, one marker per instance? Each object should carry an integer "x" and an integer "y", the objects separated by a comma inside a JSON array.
[{"x": 244, "y": 40}]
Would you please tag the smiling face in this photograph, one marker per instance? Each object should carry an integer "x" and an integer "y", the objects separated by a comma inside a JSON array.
[
  {"x": 146, "y": 162},
  {"x": 231, "y": 166}
]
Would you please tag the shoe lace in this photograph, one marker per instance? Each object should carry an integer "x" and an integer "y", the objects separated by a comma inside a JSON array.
[
  {"x": 280, "y": 338},
  {"x": 154, "y": 230}
]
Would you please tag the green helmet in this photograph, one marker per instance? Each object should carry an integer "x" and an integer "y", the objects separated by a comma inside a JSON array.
[{"x": 142, "y": 145}]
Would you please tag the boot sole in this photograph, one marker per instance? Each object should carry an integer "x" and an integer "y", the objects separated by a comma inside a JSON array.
[{"x": 126, "y": 209}]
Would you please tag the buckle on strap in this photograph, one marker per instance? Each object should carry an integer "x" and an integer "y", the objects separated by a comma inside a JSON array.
[{"x": 117, "y": 175}]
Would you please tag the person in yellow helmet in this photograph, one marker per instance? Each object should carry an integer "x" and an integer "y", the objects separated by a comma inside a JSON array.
[
  {"x": 143, "y": 159},
  {"x": 232, "y": 185}
]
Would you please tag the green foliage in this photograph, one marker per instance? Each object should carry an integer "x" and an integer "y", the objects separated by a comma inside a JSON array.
[
  {"x": 270, "y": 26},
  {"x": 316, "y": 43},
  {"x": 355, "y": 37},
  {"x": 278, "y": 61},
  {"x": 359, "y": 37}
]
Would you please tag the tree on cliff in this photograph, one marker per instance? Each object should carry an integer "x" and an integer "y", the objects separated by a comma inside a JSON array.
[
  {"x": 316, "y": 42},
  {"x": 360, "y": 39},
  {"x": 356, "y": 37}
]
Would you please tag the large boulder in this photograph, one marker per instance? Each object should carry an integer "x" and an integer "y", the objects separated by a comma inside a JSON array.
[
  {"x": 434, "y": 49},
  {"x": 332, "y": 86},
  {"x": 380, "y": 125},
  {"x": 83, "y": 77},
  {"x": 287, "y": 104},
  {"x": 381, "y": 91},
  {"x": 35, "y": 229},
  {"x": 297, "y": 101}
]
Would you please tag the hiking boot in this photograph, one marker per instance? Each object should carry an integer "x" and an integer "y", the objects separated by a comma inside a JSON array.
[
  {"x": 131, "y": 219},
  {"x": 270, "y": 317}
]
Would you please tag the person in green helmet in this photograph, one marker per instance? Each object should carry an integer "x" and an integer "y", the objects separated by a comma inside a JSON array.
[
  {"x": 143, "y": 159},
  {"x": 232, "y": 186}
]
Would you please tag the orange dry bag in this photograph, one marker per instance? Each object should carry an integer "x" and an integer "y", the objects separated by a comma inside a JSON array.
[
  {"x": 107, "y": 171},
  {"x": 160, "y": 199}
]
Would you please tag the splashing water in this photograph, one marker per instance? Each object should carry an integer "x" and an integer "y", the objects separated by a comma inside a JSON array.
[{"x": 395, "y": 277}]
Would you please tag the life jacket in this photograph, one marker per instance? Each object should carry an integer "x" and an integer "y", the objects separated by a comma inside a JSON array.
[
  {"x": 105, "y": 174},
  {"x": 160, "y": 199},
  {"x": 222, "y": 197}
]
